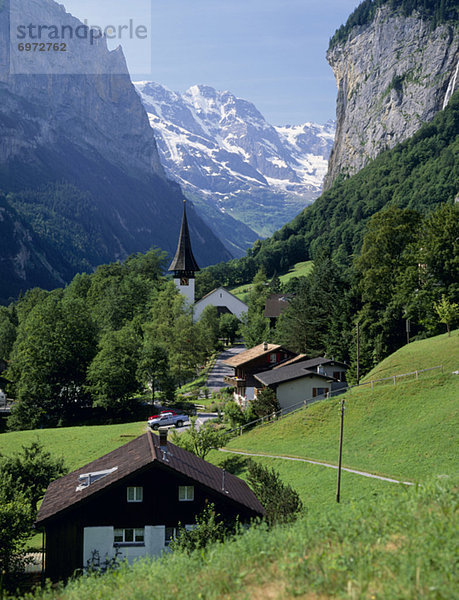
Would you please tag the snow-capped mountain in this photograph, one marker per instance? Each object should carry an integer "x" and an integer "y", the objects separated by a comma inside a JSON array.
[{"x": 232, "y": 163}]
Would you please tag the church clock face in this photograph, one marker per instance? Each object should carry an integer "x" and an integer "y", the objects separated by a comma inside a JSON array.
[{"x": 184, "y": 281}]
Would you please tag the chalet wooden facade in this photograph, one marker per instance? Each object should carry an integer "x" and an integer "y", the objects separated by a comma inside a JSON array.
[
  {"x": 131, "y": 501},
  {"x": 260, "y": 358}
]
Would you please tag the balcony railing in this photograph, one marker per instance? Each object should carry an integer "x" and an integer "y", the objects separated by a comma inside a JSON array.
[{"x": 236, "y": 381}]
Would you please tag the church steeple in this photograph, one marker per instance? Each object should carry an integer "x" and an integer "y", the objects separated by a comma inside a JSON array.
[{"x": 184, "y": 264}]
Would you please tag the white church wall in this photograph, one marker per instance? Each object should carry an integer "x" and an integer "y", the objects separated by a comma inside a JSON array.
[
  {"x": 186, "y": 290},
  {"x": 220, "y": 297}
]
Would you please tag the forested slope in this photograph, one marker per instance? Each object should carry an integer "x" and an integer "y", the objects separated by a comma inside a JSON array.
[{"x": 419, "y": 174}]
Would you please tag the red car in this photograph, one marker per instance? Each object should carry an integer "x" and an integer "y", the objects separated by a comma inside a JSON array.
[{"x": 164, "y": 412}]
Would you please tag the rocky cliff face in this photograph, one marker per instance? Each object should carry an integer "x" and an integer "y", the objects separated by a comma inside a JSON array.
[
  {"x": 392, "y": 75},
  {"x": 79, "y": 166}
]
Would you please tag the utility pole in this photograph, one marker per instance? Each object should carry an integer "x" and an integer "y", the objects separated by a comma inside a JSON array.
[
  {"x": 408, "y": 329},
  {"x": 358, "y": 352},
  {"x": 338, "y": 489}
]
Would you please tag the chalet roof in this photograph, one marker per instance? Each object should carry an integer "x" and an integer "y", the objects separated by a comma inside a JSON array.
[
  {"x": 251, "y": 354},
  {"x": 184, "y": 259},
  {"x": 276, "y": 304},
  {"x": 297, "y": 370},
  {"x": 138, "y": 454}
]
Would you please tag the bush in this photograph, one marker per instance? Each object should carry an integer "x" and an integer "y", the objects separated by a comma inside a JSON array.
[
  {"x": 209, "y": 529},
  {"x": 281, "y": 502},
  {"x": 233, "y": 414},
  {"x": 265, "y": 403}
]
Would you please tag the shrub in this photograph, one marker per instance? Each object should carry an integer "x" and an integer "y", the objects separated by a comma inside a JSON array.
[
  {"x": 265, "y": 403},
  {"x": 209, "y": 529},
  {"x": 281, "y": 502}
]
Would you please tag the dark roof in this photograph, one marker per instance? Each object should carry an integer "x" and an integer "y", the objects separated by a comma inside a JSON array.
[
  {"x": 132, "y": 457},
  {"x": 276, "y": 304},
  {"x": 291, "y": 361},
  {"x": 304, "y": 368},
  {"x": 321, "y": 360},
  {"x": 184, "y": 259}
]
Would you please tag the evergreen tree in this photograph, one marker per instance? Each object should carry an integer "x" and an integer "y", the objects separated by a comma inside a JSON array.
[{"x": 255, "y": 327}]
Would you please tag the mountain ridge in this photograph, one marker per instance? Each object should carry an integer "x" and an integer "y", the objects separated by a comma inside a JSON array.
[
  {"x": 71, "y": 138},
  {"x": 226, "y": 156}
]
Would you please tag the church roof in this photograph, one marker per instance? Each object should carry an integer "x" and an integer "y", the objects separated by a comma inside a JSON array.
[{"x": 184, "y": 259}]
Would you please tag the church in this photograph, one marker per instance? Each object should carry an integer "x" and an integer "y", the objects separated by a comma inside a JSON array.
[{"x": 185, "y": 267}]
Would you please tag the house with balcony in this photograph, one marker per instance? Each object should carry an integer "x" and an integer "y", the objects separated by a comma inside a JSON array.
[{"x": 255, "y": 360}]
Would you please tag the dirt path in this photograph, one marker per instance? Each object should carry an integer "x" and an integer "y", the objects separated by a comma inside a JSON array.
[{"x": 321, "y": 464}]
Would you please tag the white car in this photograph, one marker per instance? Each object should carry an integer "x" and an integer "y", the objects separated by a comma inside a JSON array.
[{"x": 167, "y": 418}]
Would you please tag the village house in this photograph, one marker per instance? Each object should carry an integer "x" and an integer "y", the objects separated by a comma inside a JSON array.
[
  {"x": 275, "y": 305},
  {"x": 299, "y": 380},
  {"x": 131, "y": 501},
  {"x": 260, "y": 358},
  {"x": 223, "y": 300}
]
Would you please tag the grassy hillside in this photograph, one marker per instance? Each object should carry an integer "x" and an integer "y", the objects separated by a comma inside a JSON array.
[
  {"x": 301, "y": 269},
  {"x": 76, "y": 445},
  {"x": 439, "y": 350},
  {"x": 407, "y": 431}
]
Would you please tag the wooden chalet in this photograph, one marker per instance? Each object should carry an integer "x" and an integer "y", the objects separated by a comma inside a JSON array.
[
  {"x": 131, "y": 501},
  {"x": 260, "y": 358}
]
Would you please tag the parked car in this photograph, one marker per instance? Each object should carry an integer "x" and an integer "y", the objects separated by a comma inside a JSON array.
[
  {"x": 167, "y": 418},
  {"x": 163, "y": 412}
]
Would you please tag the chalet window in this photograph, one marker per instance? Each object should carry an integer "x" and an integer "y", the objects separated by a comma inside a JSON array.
[
  {"x": 339, "y": 375},
  {"x": 273, "y": 357},
  {"x": 186, "y": 493},
  {"x": 135, "y": 494},
  {"x": 170, "y": 534},
  {"x": 129, "y": 536}
]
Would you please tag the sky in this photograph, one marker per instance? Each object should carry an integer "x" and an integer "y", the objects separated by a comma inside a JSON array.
[{"x": 270, "y": 52}]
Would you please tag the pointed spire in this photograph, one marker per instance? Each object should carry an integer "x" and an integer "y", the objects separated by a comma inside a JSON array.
[{"x": 184, "y": 261}]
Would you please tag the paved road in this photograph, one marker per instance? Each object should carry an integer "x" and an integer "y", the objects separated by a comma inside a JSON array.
[
  {"x": 215, "y": 380},
  {"x": 201, "y": 418},
  {"x": 322, "y": 464}
]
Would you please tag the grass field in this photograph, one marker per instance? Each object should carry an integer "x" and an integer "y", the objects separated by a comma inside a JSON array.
[
  {"x": 301, "y": 269},
  {"x": 384, "y": 541},
  {"x": 406, "y": 431},
  {"x": 76, "y": 445}
]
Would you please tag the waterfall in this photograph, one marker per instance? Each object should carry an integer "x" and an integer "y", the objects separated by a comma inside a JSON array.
[{"x": 451, "y": 86}]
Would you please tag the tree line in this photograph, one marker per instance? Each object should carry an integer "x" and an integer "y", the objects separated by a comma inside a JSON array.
[
  {"x": 407, "y": 270},
  {"x": 420, "y": 174},
  {"x": 103, "y": 339},
  {"x": 438, "y": 11}
]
